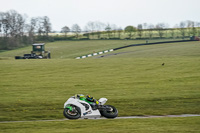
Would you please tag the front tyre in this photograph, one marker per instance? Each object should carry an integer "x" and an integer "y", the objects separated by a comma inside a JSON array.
[
  {"x": 109, "y": 112},
  {"x": 74, "y": 114}
]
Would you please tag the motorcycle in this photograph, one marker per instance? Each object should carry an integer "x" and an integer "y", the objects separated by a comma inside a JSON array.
[{"x": 75, "y": 108}]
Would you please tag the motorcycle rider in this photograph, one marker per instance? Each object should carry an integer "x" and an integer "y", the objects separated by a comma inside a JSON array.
[
  {"x": 91, "y": 99},
  {"x": 93, "y": 102}
]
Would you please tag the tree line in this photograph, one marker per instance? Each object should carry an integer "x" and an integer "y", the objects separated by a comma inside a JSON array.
[
  {"x": 99, "y": 30},
  {"x": 16, "y": 31}
]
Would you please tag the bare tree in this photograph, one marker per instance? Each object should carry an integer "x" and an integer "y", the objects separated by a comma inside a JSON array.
[
  {"x": 150, "y": 30},
  {"x": 108, "y": 30},
  {"x": 76, "y": 29},
  {"x": 91, "y": 28},
  {"x": 4, "y": 24},
  {"x": 198, "y": 27},
  {"x": 46, "y": 25},
  {"x": 145, "y": 27},
  {"x": 16, "y": 32},
  {"x": 119, "y": 31},
  {"x": 140, "y": 30},
  {"x": 114, "y": 29},
  {"x": 65, "y": 30},
  {"x": 182, "y": 27},
  {"x": 43, "y": 27},
  {"x": 99, "y": 26},
  {"x": 4, "y": 28},
  {"x": 39, "y": 26},
  {"x": 160, "y": 29},
  {"x": 172, "y": 32},
  {"x": 191, "y": 28},
  {"x": 12, "y": 25},
  {"x": 31, "y": 29},
  {"x": 95, "y": 28}
]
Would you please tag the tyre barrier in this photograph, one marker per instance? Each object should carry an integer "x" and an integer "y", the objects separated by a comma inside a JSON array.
[{"x": 93, "y": 54}]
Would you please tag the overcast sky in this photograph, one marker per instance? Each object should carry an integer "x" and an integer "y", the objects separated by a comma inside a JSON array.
[{"x": 120, "y": 12}]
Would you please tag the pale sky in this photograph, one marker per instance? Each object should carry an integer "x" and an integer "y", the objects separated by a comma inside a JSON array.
[{"x": 120, "y": 12}]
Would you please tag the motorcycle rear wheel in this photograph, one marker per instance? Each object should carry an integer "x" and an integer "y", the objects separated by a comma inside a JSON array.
[
  {"x": 75, "y": 114},
  {"x": 112, "y": 113}
]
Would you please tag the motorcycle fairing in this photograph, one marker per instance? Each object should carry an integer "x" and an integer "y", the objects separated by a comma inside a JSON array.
[{"x": 85, "y": 113}]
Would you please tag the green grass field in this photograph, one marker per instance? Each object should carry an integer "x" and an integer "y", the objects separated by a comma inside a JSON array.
[
  {"x": 153, "y": 125},
  {"x": 135, "y": 82},
  {"x": 170, "y": 50},
  {"x": 73, "y": 49}
]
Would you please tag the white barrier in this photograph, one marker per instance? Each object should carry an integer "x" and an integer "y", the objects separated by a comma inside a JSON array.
[{"x": 98, "y": 53}]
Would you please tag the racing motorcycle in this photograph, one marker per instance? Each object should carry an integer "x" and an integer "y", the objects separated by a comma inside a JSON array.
[{"x": 75, "y": 108}]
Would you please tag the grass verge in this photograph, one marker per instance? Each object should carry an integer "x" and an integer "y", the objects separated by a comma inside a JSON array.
[
  {"x": 150, "y": 125},
  {"x": 136, "y": 85}
]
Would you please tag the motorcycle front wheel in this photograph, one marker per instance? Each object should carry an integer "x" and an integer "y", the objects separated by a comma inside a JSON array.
[
  {"x": 109, "y": 112},
  {"x": 74, "y": 114}
]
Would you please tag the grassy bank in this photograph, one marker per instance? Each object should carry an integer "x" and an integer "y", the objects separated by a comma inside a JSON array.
[
  {"x": 169, "y": 50},
  {"x": 73, "y": 49},
  {"x": 137, "y": 84},
  {"x": 37, "y": 89},
  {"x": 155, "y": 125}
]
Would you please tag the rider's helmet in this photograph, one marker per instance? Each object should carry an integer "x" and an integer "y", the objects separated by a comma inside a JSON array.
[
  {"x": 80, "y": 96},
  {"x": 89, "y": 98}
]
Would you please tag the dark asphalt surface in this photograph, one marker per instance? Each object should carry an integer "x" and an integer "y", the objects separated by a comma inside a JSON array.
[{"x": 125, "y": 117}]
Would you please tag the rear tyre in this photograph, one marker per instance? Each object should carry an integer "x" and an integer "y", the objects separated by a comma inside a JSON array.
[
  {"x": 110, "y": 112},
  {"x": 74, "y": 114}
]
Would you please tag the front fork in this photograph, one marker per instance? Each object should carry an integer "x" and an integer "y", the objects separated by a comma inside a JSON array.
[
  {"x": 69, "y": 107},
  {"x": 104, "y": 107}
]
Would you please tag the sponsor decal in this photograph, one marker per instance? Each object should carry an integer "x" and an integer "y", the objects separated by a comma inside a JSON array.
[{"x": 89, "y": 112}]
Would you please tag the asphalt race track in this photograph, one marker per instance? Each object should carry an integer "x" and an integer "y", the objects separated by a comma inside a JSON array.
[{"x": 125, "y": 117}]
